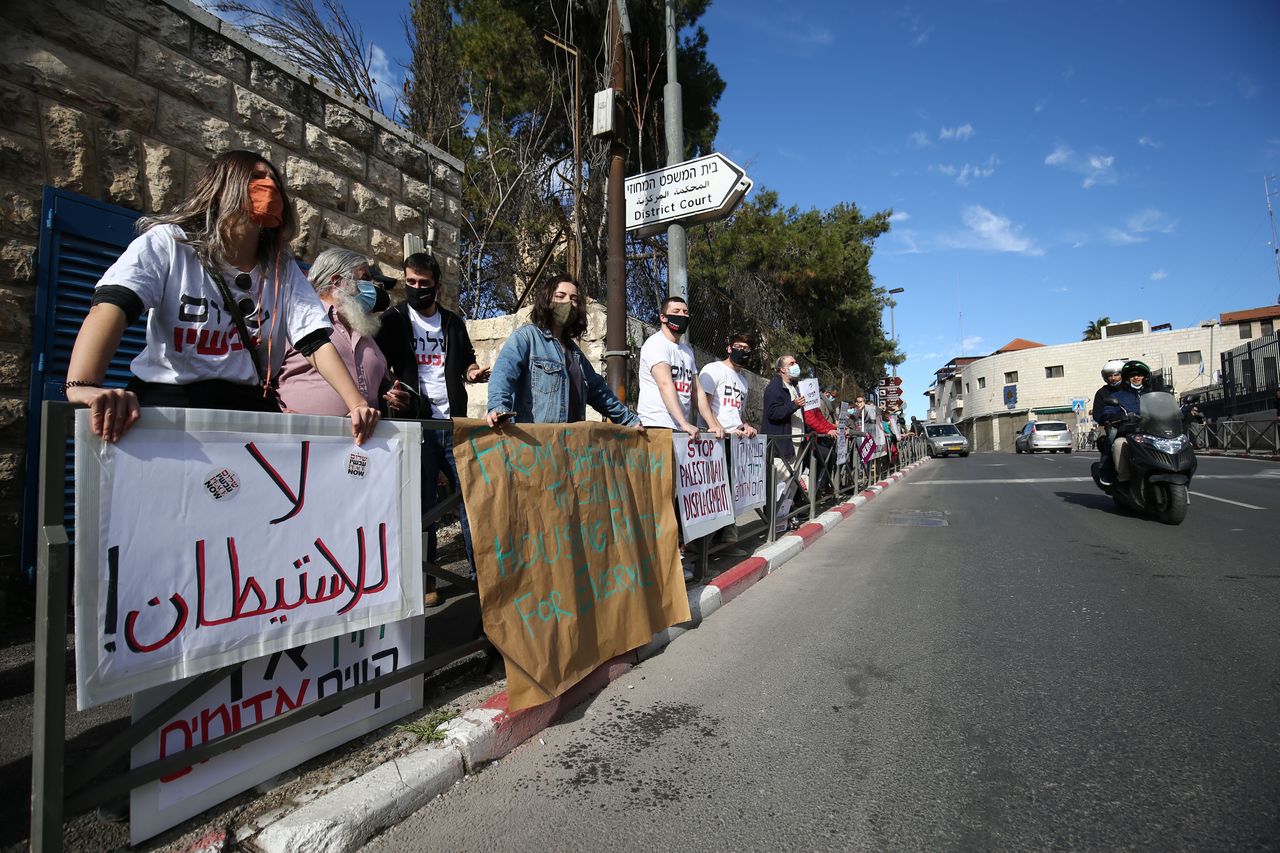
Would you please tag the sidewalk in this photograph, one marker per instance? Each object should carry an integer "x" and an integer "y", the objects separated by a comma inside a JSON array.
[{"x": 343, "y": 819}]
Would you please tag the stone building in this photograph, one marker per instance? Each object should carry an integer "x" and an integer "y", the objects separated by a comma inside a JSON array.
[
  {"x": 125, "y": 102},
  {"x": 991, "y": 397}
]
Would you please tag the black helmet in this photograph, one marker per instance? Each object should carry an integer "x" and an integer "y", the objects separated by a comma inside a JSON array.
[{"x": 1134, "y": 368}]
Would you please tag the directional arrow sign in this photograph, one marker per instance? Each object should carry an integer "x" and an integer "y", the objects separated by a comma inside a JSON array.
[
  {"x": 886, "y": 381},
  {"x": 891, "y": 393},
  {"x": 699, "y": 190}
]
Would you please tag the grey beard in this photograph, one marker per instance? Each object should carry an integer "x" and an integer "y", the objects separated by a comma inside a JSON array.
[{"x": 353, "y": 314}]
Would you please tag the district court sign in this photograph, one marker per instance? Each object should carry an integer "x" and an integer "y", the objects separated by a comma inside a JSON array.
[
  {"x": 575, "y": 543},
  {"x": 207, "y": 538}
]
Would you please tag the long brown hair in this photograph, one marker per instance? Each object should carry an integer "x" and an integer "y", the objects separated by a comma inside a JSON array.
[
  {"x": 541, "y": 316},
  {"x": 220, "y": 194}
]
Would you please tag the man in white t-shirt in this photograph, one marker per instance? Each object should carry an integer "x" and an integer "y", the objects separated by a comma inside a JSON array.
[
  {"x": 668, "y": 374},
  {"x": 429, "y": 351},
  {"x": 669, "y": 379},
  {"x": 725, "y": 385}
]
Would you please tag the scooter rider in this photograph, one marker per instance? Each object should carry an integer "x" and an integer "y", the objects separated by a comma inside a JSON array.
[
  {"x": 1111, "y": 379},
  {"x": 1133, "y": 385}
]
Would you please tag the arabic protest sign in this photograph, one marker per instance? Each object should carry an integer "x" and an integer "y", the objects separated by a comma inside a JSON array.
[
  {"x": 575, "y": 544},
  {"x": 812, "y": 391},
  {"x": 747, "y": 456},
  {"x": 264, "y": 688},
  {"x": 702, "y": 486},
  {"x": 206, "y": 538}
]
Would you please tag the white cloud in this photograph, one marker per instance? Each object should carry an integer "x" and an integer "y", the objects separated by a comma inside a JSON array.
[
  {"x": 1159, "y": 275},
  {"x": 899, "y": 216},
  {"x": 385, "y": 79},
  {"x": 1042, "y": 105},
  {"x": 970, "y": 343},
  {"x": 1058, "y": 156},
  {"x": 1138, "y": 228},
  {"x": 945, "y": 168},
  {"x": 907, "y": 239},
  {"x": 1123, "y": 238},
  {"x": 967, "y": 172},
  {"x": 961, "y": 133},
  {"x": 1149, "y": 142},
  {"x": 919, "y": 139},
  {"x": 990, "y": 232},
  {"x": 1096, "y": 168}
]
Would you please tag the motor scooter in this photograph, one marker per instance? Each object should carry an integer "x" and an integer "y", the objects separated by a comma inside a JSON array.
[{"x": 1161, "y": 456}]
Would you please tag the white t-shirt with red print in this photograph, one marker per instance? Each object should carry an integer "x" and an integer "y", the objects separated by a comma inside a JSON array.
[
  {"x": 428, "y": 348},
  {"x": 727, "y": 390},
  {"x": 684, "y": 372}
]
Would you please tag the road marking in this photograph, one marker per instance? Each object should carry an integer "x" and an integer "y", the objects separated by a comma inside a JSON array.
[
  {"x": 1000, "y": 481},
  {"x": 1225, "y": 501}
]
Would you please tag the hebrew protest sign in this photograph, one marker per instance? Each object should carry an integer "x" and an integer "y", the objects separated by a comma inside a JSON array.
[
  {"x": 264, "y": 688},
  {"x": 206, "y": 538},
  {"x": 703, "y": 495},
  {"x": 747, "y": 455},
  {"x": 812, "y": 391},
  {"x": 574, "y": 533}
]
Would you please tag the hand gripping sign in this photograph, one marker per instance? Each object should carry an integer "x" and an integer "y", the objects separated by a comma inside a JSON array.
[{"x": 206, "y": 538}]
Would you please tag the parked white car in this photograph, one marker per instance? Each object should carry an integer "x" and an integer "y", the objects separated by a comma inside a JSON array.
[{"x": 1043, "y": 435}]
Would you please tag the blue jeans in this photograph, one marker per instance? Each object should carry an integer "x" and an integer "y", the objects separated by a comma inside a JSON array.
[{"x": 437, "y": 456}]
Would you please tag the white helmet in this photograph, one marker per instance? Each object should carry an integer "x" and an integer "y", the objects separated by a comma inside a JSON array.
[{"x": 1111, "y": 368}]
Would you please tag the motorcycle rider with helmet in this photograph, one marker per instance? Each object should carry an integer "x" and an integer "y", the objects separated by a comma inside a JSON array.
[
  {"x": 1111, "y": 383},
  {"x": 1133, "y": 384}
]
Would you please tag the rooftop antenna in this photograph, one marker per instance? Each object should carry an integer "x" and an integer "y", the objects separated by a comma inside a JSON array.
[{"x": 1275, "y": 244}]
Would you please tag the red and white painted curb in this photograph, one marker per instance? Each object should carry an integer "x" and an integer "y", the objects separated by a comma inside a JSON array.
[{"x": 343, "y": 819}]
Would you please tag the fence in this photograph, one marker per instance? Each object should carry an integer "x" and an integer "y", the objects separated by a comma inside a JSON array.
[
  {"x": 59, "y": 790},
  {"x": 1249, "y": 436}
]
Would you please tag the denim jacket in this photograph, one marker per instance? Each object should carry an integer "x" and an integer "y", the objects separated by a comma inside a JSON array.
[{"x": 530, "y": 379}]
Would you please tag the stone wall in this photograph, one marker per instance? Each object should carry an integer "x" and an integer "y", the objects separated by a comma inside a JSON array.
[{"x": 126, "y": 101}]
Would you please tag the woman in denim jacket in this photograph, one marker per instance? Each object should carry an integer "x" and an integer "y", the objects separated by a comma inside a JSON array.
[{"x": 541, "y": 376}]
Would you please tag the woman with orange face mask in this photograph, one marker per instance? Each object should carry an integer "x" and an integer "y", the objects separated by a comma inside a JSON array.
[{"x": 224, "y": 299}]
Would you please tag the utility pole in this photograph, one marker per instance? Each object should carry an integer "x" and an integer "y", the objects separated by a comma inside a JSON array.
[
  {"x": 575, "y": 244},
  {"x": 673, "y": 115},
  {"x": 1275, "y": 246},
  {"x": 615, "y": 340},
  {"x": 893, "y": 329}
]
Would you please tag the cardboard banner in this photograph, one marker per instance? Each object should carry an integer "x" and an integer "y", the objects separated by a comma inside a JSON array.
[
  {"x": 703, "y": 495},
  {"x": 812, "y": 391},
  {"x": 574, "y": 531},
  {"x": 206, "y": 538},
  {"x": 747, "y": 457},
  {"x": 265, "y": 688}
]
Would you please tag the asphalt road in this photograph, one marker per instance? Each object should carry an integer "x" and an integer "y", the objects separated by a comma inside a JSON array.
[{"x": 987, "y": 657}]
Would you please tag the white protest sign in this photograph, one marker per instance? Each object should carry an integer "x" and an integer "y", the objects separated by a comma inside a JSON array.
[
  {"x": 206, "y": 538},
  {"x": 702, "y": 486},
  {"x": 812, "y": 391},
  {"x": 747, "y": 456},
  {"x": 263, "y": 689}
]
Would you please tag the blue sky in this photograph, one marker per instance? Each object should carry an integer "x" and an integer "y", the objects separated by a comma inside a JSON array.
[{"x": 1047, "y": 163}]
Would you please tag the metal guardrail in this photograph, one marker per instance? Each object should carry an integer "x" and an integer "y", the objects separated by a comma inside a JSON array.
[
  {"x": 1248, "y": 436},
  {"x": 57, "y": 790}
]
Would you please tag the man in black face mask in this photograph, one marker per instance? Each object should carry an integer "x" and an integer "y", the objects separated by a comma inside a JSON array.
[{"x": 429, "y": 351}]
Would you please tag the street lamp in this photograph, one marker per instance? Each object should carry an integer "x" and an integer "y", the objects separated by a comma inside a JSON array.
[{"x": 893, "y": 331}]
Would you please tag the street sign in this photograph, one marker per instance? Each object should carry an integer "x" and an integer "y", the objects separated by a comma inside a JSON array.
[
  {"x": 891, "y": 393},
  {"x": 886, "y": 381},
  {"x": 1078, "y": 404},
  {"x": 697, "y": 190}
]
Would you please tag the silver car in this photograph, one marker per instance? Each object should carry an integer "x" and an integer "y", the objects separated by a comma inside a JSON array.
[
  {"x": 945, "y": 439},
  {"x": 1043, "y": 435}
]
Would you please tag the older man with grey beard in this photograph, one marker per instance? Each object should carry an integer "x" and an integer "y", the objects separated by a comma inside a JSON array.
[{"x": 343, "y": 281}]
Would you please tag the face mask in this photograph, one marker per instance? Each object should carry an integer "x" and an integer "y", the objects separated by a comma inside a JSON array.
[
  {"x": 794, "y": 371},
  {"x": 371, "y": 297},
  {"x": 1114, "y": 383},
  {"x": 739, "y": 357},
  {"x": 420, "y": 298},
  {"x": 562, "y": 313},
  {"x": 676, "y": 324},
  {"x": 1137, "y": 386},
  {"x": 266, "y": 205},
  {"x": 830, "y": 399}
]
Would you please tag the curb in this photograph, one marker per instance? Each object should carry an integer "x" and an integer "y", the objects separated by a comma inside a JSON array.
[
  {"x": 1240, "y": 454},
  {"x": 345, "y": 818}
]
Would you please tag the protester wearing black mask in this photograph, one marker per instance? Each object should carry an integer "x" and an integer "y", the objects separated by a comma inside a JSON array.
[{"x": 428, "y": 349}]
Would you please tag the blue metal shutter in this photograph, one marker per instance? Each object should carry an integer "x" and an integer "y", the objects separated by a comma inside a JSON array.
[{"x": 79, "y": 238}]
